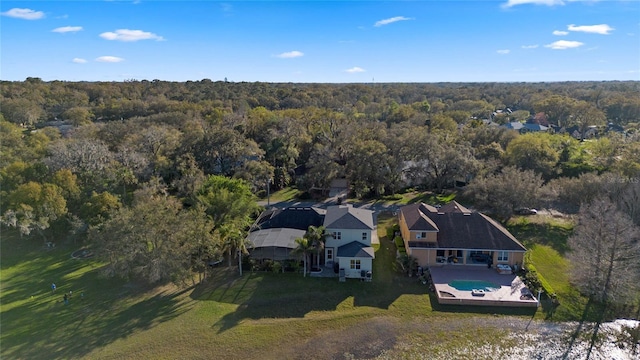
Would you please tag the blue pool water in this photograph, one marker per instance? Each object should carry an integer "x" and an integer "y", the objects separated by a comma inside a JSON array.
[{"x": 468, "y": 285}]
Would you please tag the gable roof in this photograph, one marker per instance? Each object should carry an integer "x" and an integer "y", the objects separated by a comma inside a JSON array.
[
  {"x": 355, "y": 249},
  {"x": 460, "y": 228},
  {"x": 414, "y": 216},
  {"x": 348, "y": 217},
  {"x": 292, "y": 217}
]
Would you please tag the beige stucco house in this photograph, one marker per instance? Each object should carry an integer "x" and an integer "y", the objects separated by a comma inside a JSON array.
[{"x": 453, "y": 234}]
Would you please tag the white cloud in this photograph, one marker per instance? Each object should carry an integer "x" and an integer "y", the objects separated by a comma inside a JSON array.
[
  {"x": 290, "y": 54},
  {"x": 560, "y": 33},
  {"x": 391, "y": 20},
  {"x": 26, "y": 14},
  {"x": 66, "y": 29},
  {"x": 79, "y": 60},
  {"x": 355, "y": 69},
  {"x": 109, "y": 59},
  {"x": 503, "y": 52},
  {"x": 564, "y": 44},
  {"x": 602, "y": 29},
  {"x": 530, "y": 46},
  {"x": 130, "y": 35},
  {"x": 511, "y": 3}
]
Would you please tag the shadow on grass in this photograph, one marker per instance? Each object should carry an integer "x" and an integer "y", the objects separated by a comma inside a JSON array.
[
  {"x": 278, "y": 296},
  {"x": 554, "y": 236},
  {"x": 288, "y": 295},
  {"x": 36, "y": 324},
  {"x": 74, "y": 330}
]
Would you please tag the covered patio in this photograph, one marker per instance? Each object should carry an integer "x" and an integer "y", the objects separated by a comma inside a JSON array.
[
  {"x": 274, "y": 244},
  {"x": 498, "y": 288}
]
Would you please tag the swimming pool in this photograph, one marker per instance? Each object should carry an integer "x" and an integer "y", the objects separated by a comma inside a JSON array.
[{"x": 468, "y": 285}]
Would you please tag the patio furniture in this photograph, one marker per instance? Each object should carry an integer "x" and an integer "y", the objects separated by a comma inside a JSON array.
[
  {"x": 477, "y": 292},
  {"x": 503, "y": 269}
]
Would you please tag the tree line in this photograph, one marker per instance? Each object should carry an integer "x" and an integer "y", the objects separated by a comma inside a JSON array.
[{"x": 162, "y": 176}]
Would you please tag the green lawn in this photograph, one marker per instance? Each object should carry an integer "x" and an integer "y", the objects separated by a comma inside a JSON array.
[
  {"x": 546, "y": 239},
  {"x": 286, "y": 194},
  {"x": 260, "y": 315},
  {"x": 411, "y": 197}
]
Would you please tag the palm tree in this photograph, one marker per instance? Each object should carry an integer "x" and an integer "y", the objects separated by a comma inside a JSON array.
[
  {"x": 407, "y": 262},
  {"x": 233, "y": 240},
  {"x": 317, "y": 237},
  {"x": 304, "y": 247}
]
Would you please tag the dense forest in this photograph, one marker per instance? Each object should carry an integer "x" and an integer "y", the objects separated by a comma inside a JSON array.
[{"x": 90, "y": 161}]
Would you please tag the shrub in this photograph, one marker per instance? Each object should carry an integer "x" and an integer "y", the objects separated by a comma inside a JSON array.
[
  {"x": 392, "y": 230},
  {"x": 535, "y": 280},
  {"x": 276, "y": 267},
  {"x": 399, "y": 243}
]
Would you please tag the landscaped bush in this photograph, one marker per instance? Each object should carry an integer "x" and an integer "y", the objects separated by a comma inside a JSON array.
[
  {"x": 276, "y": 267},
  {"x": 535, "y": 280},
  {"x": 400, "y": 245},
  {"x": 398, "y": 241},
  {"x": 392, "y": 230}
]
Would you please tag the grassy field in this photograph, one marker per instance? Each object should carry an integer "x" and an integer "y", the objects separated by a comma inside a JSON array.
[
  {"x": 286, "y": 194},
  {"x": 546, "y": 239},
  {"x": 260, "y": 315}
]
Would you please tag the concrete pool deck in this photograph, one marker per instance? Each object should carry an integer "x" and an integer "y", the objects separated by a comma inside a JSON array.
[{"x": 510, "y": 293}]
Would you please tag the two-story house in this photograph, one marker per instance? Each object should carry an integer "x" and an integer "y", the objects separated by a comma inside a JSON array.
[
  {"x": 351, "y": 231},
  {"x": 453, "y": 234}
]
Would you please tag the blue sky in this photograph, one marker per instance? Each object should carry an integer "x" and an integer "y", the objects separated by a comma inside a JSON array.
[{"x": 321, "y": 41}]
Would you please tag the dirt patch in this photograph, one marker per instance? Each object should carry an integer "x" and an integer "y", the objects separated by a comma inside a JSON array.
[{"x": 366, "y": 340}]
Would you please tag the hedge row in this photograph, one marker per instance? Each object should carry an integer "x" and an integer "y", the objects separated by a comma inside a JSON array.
[
  {"x": 399, "y": 245},
  {"x": 391, "y": 231},
  {"x": 398, "y": 241},
  {"x": 535, "y": 280}
]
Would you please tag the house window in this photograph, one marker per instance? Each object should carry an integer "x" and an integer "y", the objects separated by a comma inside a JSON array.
[
  {"x": 355, "y": 264},
  {"x": 503, "y": 256},
  {"x": 439, "y": 252},
  {"x": 337, "y": 235},
  {"x": 329, "y": 254},
  {"x": 423, "y": 235},
  {"x": 364, "y": 236}
]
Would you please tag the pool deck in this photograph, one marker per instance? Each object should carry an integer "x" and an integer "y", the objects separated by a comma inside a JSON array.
[{"x": 510, "y": 293}]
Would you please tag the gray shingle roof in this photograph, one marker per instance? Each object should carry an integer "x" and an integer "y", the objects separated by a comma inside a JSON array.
[
  {"x": 416, "y": 219},
  {"x": 356, "y": 249},
  {"x": 459, "y": 229},
  {"x": 348, "y": 217}
]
